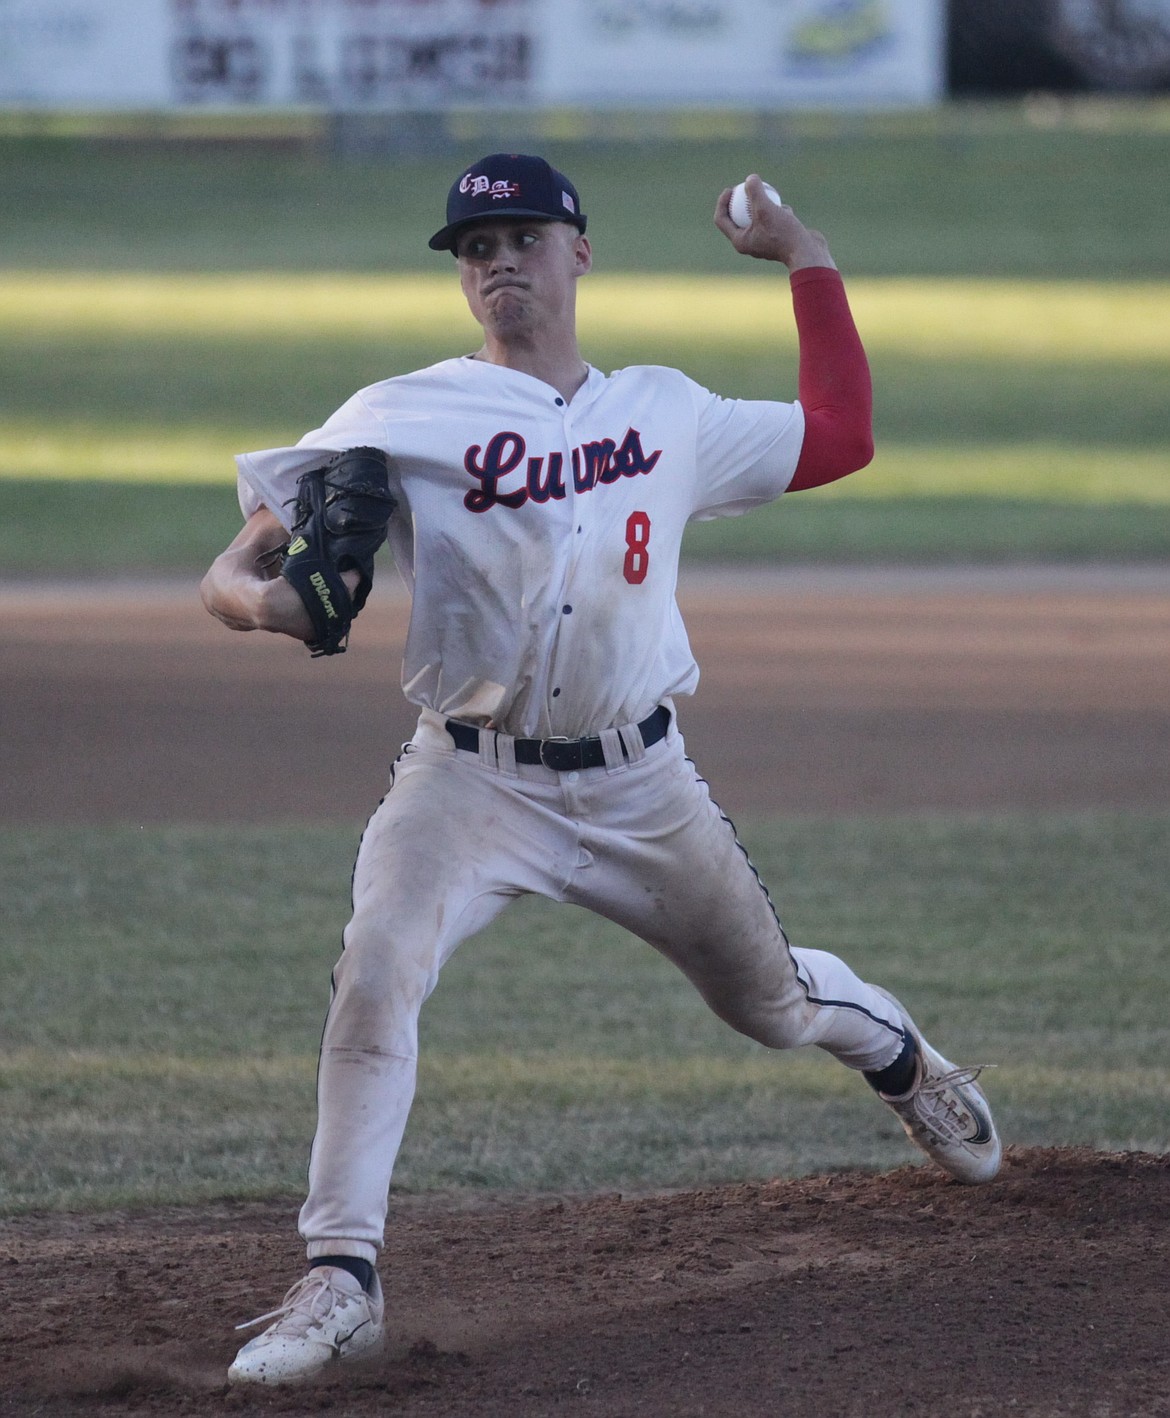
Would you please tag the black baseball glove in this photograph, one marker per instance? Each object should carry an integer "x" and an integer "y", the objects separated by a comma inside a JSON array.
[{"x": 342, "y": 512}]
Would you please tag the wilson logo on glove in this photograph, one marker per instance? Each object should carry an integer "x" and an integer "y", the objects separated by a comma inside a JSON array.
[{"x": 321, "y": 587}]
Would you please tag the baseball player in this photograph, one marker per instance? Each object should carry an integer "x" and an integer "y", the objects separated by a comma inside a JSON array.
[{"x": 539, "y": 509}]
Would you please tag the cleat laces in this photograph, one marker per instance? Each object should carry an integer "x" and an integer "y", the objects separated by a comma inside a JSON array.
[
  {"x": 938, "y": 1103},
  {"x": 304, "y": 1302}
]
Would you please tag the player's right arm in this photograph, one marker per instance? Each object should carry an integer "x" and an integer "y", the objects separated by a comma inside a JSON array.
[
  {"x": 835, "y": 390},
  {"x": 244, "y": 588}
]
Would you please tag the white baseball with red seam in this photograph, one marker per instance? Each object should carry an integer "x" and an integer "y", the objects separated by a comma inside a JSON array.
[{"x": 740, "y": 208}]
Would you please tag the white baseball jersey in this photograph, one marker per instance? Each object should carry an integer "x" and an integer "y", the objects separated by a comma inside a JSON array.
[{"x": 540, "y": 538}]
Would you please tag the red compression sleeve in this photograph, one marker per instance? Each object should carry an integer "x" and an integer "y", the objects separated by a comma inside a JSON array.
[{"x": 834, "y": 385}]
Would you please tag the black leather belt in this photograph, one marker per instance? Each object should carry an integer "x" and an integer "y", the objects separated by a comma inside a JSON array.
[{"x": 563, "y": 755}]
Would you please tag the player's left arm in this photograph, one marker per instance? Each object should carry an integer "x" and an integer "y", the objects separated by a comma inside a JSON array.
[
  {"x": 243, "y": 587},
  {"x": 834, "y": 386},
  {"x": 313, "y": 586}
]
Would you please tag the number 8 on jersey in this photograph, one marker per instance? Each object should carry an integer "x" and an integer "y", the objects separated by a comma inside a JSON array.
[{"x": 637, "y": 561}]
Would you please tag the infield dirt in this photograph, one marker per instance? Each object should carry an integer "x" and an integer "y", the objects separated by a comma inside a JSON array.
[
  {"x": 844, "y": 1295},
  {"x": 905, "y": 1293},
  {"x": 821, "y": 693}
]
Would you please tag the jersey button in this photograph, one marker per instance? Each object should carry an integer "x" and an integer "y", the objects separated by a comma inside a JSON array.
[
  {"x": 560, "y": 402},
  {"x": 566, "y": 610}
]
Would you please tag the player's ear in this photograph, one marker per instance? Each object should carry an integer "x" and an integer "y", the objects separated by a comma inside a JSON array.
[{"x": 583, "y": 254}]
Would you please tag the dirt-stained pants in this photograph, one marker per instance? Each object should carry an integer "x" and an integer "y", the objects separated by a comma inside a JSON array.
[{"x": 455, "y": 839}]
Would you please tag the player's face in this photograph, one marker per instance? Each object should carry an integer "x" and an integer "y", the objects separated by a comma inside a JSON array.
[{"x": 520, "y": 276}]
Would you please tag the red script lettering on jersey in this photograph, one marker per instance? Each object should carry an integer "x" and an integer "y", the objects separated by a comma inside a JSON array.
[{"x": 592, "y": 465}]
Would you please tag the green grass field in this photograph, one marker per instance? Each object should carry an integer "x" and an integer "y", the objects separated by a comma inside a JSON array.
[
  {"x": 164, "y": 306},
  {"x": 165, "y": 990},
  {"x": 1016, "y": 420}
]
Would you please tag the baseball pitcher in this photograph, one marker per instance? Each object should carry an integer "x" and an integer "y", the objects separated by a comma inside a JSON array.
[{"x": 535, "y": 507}]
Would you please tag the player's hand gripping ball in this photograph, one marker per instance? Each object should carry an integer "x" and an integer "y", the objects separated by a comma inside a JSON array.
[{"x": 739, "y": 207}]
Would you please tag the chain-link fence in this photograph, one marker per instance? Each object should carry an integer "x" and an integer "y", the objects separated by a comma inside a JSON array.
[{"x": 1014, "y": 46}]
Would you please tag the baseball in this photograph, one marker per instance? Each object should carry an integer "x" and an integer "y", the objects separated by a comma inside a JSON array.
[{"x": 741, "y": 212}]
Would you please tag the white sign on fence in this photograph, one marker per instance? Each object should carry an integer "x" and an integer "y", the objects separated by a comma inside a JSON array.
[
  {"x": 85, "y": 55},
  {"x": 436, "y": 54},
  {"x": 747, "y": 53},
  {"x": 373, "y": 54}
]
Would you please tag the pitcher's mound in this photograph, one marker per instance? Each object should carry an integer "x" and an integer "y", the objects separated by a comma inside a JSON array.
[{"x": 850, "y": 1294}]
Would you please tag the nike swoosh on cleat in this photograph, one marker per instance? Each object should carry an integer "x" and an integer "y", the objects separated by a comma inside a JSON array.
[
  {"x": 983, "y": 1131},
  {"x": 342, "y": 1340}
]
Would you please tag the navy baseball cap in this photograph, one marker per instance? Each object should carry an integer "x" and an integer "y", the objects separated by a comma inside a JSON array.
[{"x": 508, "y": 185}]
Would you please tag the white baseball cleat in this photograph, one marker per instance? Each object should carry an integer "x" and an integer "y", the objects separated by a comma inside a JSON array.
[
  {"x": 324, "y": 1318},
  {"x": 945, "y": 1113}
]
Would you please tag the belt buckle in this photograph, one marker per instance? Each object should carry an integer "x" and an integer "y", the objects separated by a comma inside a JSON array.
[{"x": 558, "y": 740}]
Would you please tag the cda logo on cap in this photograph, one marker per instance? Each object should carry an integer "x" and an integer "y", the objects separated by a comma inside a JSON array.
[{"x": 508, "y": 185}]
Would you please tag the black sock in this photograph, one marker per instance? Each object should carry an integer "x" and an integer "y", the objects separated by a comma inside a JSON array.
[
  {"x": 896, "y": 1078},
  {"x": 361, "y": 1270}
]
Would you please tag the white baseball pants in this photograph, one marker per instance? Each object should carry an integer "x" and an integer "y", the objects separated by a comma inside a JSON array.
[{"x": 455, "y": 839}]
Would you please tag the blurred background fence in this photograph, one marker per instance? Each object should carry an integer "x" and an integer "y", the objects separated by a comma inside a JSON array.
[
  {"x": 1061, "y": 46},
  {"x": 403, "y": 73}
]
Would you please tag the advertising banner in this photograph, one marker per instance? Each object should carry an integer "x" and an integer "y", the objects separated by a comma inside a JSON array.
[
  {"x": 362, "y": 54},
  {"x": 84, "y": 55},
  {"x": 388, "y": 55},
  {"x": 747, "y": 53},
  {"x": 328, "y": 54}
]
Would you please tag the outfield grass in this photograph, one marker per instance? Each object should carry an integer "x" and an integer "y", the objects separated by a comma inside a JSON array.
[
  {"x": 962, "y": 196},
  {"x": 95, "y": 527},
  {"x": 165, "y": 305},
  {"x": 165, "y": 989},
  {"x": 1014, "y": 419}
]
